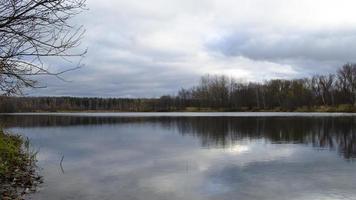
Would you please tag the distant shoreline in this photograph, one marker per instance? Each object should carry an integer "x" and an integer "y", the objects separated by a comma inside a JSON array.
[
  {"x": 183, "y": 114},
  {"x": 321, "y": 109},
  {"x": 167, "y": 104}
]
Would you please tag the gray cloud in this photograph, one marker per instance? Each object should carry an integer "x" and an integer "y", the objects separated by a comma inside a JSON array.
[
  {"x": 316, "y": 46},
  {"x": 147, "y": 49}
]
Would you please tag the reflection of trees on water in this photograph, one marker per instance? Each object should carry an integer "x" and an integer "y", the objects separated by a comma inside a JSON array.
[
  {"x": 46, "y": 120},
  {"x": 321, "y": 132},
  {"x": 331, "y": 133}
]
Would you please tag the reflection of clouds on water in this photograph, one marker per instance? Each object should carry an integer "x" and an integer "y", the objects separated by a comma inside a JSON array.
[
  {"x": 237, "y": 149},
  {"x": 168, "y": 160},
  {"x": 318, "y": 130},
  {"x": 123, "y": 162}
]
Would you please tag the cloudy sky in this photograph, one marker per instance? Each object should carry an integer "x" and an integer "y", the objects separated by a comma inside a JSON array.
[{"x": 148, "y": 48}]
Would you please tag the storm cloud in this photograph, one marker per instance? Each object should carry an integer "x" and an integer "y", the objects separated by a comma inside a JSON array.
[{"x": 150, "y": 48}]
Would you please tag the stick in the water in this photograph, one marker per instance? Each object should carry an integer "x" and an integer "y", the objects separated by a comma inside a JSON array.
[{"x": 60, "y": 164}]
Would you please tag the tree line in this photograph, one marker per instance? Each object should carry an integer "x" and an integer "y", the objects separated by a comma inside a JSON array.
[
  {"x": 319, "y": 90},
  {"x": 336, "y": 92}
]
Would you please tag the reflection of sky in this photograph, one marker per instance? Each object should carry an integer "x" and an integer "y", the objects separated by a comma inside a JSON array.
[{"x": 146, "y": 161}]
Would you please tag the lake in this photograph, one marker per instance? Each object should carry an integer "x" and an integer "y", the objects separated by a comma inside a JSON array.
[{"x": 192, "y": 156}]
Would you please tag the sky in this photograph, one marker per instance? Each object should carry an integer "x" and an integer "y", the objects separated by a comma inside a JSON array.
[{"x": 150, "y": 48}]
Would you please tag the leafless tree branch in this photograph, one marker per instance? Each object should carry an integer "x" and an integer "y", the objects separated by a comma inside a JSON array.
[{"x": 31, "y": 30}]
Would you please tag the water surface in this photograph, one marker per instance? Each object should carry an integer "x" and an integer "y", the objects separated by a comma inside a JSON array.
[{"x": 192, "y": 156}]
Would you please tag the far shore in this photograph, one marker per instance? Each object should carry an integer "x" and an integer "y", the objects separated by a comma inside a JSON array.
[{"x": 321, "y": 109}]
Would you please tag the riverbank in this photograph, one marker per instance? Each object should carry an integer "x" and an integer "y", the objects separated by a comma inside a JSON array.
[
  {"x": 343, "y": 108},
  {"x": 167, "y": 104},
  {"x": 18, "y": 174}
]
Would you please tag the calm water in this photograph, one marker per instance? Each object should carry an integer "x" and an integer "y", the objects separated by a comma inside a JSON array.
[{"x": 193, "y": 156}]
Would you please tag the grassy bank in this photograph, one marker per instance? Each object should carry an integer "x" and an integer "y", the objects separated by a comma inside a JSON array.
[
  {"x": 345, "y": 108},
  {"x": 17, "y": 167}
]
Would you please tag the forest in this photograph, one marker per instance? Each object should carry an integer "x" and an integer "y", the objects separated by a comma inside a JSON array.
[{"x": 331, "y": 93}]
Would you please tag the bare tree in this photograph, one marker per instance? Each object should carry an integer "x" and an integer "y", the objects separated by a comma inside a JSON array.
[
  {"x": 322, "y": 87},
  {"x": 326, "y": 85},
  {"x": 347, "y": 81},
  {"x": 31, "y": 30}
]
